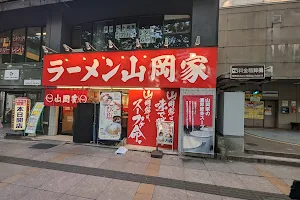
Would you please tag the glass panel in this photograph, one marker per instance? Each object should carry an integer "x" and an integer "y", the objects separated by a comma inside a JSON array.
[
  {"x": 103, "y": 31},
  {"x": 150, "y": 32},
  {"x": 177, "y": 31},
  {"x": 86, "y": 35},
  {"x": 9, "y": 105},
  {"x": 43, "y": 40},
  {"x": 33, "y": 44},
  {"x": 181, "y": 40},
  {"x": 126, "y": 33},
  {"x": 18, "y": 44},
  {"x": 5, "y": 47},
  {"x": 76, "y": 37}
]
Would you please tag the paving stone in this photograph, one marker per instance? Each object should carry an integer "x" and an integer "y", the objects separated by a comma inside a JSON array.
[
  {"x": 39, "y": 178},
  {"x": 230, "y": 198},
  {"x": 145, "y": 189},
  {"x": 14, "y": 178},
  {"x": 62, "y": 183},
  {"x": 151, "y": 172},
  {"x": 172, "y": 161},
  {"x": 30, "y": 153},
  {"x": 85, "y": 161},
  {"x": 156, "y": 161},
  {"x": 226, "y": 179},
  {"x": 258, "y": 184},
  {"x": 153, "y": 166},
  {"x": 140, "y": 157},
  {"x": 242, "y": 168},
  {"x": 45, "y": 156},
  {"x": 171, "y": 172},
  {"x": 89, "y": 187},
  {"x": 288, "y": 181},
  {"x": 194, "y": 164},
  {"x": 8, "y": 170},
  {"x": 216, "y": 165},
  {"x": 166, "y": 193},
  {"x": 136, "y": 168},
  {"x": 284, "y": 171},
  {"x": 119, "y": 190},
  {"x": 142, "y": 197},
  {"x": 199, "y": 176},
  {"x": 113, "y": 164},
  {"x": 41, "y": 194},
  {"x": 202, "y": 196},
  {"x": 69, "y": 197},
  {"x": 14, "y": 192}
]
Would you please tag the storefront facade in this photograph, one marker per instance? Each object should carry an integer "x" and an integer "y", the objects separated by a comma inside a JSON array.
[{"x": 138, "y": 92}]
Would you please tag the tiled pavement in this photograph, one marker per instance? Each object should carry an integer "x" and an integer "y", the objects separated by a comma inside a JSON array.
[{"x": 77, "y": 172}]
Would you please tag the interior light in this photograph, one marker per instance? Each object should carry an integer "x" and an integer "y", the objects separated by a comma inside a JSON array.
[{"x": 256, "y": 92}]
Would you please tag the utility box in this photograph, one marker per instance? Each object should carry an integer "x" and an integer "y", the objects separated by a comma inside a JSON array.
[{"x": 230, "y": 114}]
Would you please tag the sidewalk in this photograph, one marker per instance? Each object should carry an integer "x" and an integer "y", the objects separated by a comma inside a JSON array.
[{"x": 39, "y": 170}]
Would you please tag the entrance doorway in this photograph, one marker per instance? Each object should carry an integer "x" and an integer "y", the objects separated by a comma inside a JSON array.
[
  {"x": 65, "y": 121},
  {"x": 270, "y": 114}
]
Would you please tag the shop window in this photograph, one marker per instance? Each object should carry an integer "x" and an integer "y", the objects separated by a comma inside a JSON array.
[
  {"x": 102, "y": 33},
  {"x": 5, "y": 43},
  {"x": 151, "y": 32},
  {"x": 86, "y": 34},
  {"x": 126, "y": 33},
  {"x": 18, "y": 45},
  {"x": 33, "y": 44},
  {"x": 177, "y": 30}
]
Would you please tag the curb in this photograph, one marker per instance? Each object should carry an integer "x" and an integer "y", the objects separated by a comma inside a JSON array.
[
  {"x": 275, "y": 154},
  {"x": 259, "y": 160}
]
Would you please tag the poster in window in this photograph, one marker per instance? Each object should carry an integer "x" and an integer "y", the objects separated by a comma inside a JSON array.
[
  {"x": 198, "y": 124},
  {"x": 110, "y": 116}
]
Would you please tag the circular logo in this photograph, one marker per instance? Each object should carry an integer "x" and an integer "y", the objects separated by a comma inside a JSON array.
[
  {"x": 83, "y": 99},
  {"x": 49, "y": 98}
]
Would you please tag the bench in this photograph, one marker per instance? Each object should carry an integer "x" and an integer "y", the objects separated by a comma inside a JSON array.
[{"x": 295, "y": 125}]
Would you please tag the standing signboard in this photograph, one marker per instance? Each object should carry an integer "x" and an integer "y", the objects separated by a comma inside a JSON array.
[
  {"x": 34, "y": 118},
  {"x": 198, "y": 124},
  {"x": 20, "y": 113},
  {"x": 110, "y": 116}
]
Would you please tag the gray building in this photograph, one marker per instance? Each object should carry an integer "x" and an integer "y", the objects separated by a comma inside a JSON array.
[{"x": 263, "y": 33}]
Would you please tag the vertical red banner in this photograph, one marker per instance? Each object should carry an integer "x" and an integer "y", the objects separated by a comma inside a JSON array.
[
  {"x": 198, "y": 110},
  {"x": 198, "y": 127},
  {"x": 145, "y": 108}
]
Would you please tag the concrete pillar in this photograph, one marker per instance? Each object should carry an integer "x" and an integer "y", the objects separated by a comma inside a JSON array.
[
  {"x": 206, "y": 13},
  {"x": 58, "y": 33},
  {"x": 53, "y": 120}
]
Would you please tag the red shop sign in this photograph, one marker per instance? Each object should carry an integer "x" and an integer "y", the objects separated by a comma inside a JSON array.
[
  {"x": 198, "y": 110},
  {"x": 167, "y": 68},
  {"x": 65, "y": 98},
  {"x": 145, "y": 109}
]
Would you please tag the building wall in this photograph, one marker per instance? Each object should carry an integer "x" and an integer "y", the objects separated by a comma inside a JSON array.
[{"x": 248, "y": 35}]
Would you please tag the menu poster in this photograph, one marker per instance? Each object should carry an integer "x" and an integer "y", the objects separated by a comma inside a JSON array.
[
  {"x": 20, "y": 113},
  {"x": 34, "y": 117},
  {"x": 198, "y": 124},
  {"x": 110, "y": 116},
  {"x": 165, "y": 132}
]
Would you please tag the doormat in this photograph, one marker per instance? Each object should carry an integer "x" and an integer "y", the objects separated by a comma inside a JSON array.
[{"x": 43, "y": 146}]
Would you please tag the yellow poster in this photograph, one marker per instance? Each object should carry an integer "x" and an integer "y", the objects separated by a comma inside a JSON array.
[{"x": 254, "y": 110}]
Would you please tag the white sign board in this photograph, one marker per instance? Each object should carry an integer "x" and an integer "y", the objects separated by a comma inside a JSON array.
[
  {"x": 11, "y": 74},
  {"x": 32, "y": 82}
]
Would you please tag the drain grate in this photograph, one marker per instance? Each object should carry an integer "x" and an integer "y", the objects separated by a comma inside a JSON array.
[
  {"x": 43, "y": 146},
  {"x": 252, "y": 144}
]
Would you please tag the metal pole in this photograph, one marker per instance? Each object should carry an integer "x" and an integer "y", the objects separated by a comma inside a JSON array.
[{"x": 94, "y": 124}]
